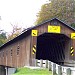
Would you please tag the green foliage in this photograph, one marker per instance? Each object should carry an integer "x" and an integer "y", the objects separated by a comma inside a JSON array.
[
  {"x": 3, "y": 38},
  {"x": 27, "y": 71},
  {"x": 62, "y": 9},
  {"x": 73, "y": 25}
]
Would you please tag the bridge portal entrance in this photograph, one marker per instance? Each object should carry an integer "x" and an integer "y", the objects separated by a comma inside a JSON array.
[{"x": 54, "y": 47}]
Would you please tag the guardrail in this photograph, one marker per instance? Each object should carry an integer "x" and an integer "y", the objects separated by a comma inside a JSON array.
[{"x": 55, "y": 68}]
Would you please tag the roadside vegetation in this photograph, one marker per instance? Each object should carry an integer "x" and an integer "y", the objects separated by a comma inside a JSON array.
[{"x": 28, "y": 71}]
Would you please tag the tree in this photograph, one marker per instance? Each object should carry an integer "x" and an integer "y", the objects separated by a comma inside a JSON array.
[
  {"x": 15, "y": 32},
  {"x": 3, "y": 38},
  {"x": 73, "y": 25},
  {"x": 62, "y": 9}
]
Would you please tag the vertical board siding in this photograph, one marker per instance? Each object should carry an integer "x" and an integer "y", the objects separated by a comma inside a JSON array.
[
  {"x": 41, "y": 29},
  {"x": 44, "y": 28},
  {"x": 28, "y": 50},
  {"x": 15, "y": 60},
  {"x": 25, "y": 55},
  {"x": 23, "y": 52},
  {"x": 19, "y": 59}
]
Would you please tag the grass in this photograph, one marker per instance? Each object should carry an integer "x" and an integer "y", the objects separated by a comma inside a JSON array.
[{"x": 27, "y": 71}]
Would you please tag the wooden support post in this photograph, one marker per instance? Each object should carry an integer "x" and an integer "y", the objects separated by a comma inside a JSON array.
[
  {"x": 68, "y": 71},
  {"x": 33, "y": 46},
  {"x": 49, "y": 65},
  {"x": 41, "y": 63},
  {"x": 6, "y": 70},
  {"x": 54, "y": 69},
  {"x": 59, "y": 70},
  {"x": 46, "y": 64}
]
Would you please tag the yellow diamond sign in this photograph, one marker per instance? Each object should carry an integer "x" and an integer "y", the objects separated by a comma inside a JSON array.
[
  {"x": 54, "y": 29},
  {"x": 72, "y": 35},
  {"x": 34, "y": 33}
]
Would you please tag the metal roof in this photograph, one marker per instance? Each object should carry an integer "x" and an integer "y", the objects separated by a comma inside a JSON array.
[
  {"x": 28, "y": 31},
  {"x": 57, "y": 20}
]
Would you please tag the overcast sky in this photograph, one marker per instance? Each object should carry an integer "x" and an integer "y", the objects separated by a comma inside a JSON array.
[{"x": 19, "y": 12}]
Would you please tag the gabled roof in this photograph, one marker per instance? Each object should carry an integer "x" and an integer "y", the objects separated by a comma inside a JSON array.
[
  {"x": 28, "y": 31},
  {"x": 69, "y": 26},
  {"x": 58, "y": 21}
]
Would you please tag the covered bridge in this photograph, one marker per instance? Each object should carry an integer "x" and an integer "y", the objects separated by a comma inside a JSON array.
[{"x": 51, "y": 40}]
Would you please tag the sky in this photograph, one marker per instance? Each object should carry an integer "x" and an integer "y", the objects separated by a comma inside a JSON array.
[{"x": 19, "y": 12}]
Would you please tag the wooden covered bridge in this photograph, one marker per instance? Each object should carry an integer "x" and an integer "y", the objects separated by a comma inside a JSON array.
[{"x": 51, "y": 40}]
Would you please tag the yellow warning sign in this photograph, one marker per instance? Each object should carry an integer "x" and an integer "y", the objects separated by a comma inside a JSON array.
[
  {"x": 72, "y": 35},
  {"x": 72, "y": 51},
  {"x": 54, "y": 29},
  {"x": 34, "y": 33}
]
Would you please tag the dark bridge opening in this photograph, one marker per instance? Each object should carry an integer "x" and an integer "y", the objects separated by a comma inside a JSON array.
[{"x": 51, "y": 46}]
